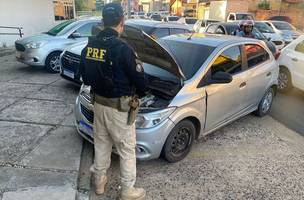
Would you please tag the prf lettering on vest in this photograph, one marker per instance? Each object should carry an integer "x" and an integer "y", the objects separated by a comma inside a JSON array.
[{"x": 96, "y": 54}]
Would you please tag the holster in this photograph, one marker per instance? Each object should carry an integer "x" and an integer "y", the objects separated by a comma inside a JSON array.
[{"x": 134, "y": 108}]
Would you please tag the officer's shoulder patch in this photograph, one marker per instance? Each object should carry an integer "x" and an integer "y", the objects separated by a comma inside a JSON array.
[{"x": 139, "y": 66}]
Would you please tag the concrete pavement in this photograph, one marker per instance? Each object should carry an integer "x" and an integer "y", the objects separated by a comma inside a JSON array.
[{"x": 39, "y": 148}]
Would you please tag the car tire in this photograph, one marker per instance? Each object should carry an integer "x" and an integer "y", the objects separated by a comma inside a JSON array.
[
  {"x": 52, "y": 62},
  {"x": 179, "y": 141},
  {"x": 266, "y": 103},
  {"x": 284, "y": 84}
]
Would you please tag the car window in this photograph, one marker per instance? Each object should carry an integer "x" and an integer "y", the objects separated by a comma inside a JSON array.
[
  {"x": 86, "y": 30},
  {"x": 211, "y": 29},
  {"x": 231, "y": 17},
  {"x": 300, "y": 47},
  {"x": 176, "y": 31},
  {"x": 161, "y": 32},
  {"x": 220, "y": 30},
  {"x": 255, "y": 54},
  {"x": 229, "y": 61}
]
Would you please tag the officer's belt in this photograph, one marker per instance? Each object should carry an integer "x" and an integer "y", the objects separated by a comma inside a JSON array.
[{"x": 121, "y": 104}]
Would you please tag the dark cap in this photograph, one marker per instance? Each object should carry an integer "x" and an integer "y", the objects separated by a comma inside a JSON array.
[{"x": 112, "y": 14}]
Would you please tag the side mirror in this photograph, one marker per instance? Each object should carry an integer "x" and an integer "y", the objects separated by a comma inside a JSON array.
[
  {"x": 220, "y": 78},
  {"x": 75, "y": 35}
]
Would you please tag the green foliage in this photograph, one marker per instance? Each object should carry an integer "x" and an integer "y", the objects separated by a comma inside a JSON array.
[{"x": 265, "y": 5}]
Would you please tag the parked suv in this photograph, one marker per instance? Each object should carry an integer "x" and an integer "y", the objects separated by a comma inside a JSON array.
[
  {"x": 44, "y": 49},
  {"x": 70, "y": 59},
  {"x": 198, "y": 83}
]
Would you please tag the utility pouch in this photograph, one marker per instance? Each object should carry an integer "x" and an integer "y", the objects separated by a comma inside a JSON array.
[
  {"x": 124, "y": 104},
  {"x": 134, "y": 108}
]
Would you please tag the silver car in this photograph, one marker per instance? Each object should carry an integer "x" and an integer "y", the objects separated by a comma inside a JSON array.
[
  {"x": 198, "y": 83},
  {"x": 44, "y": 49}
]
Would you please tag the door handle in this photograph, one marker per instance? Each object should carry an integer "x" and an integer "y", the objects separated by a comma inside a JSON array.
[
  {"x": 268, "y": 74},
  {"x": 295, "y": 59},
  {"x": 242, "y": 85}
]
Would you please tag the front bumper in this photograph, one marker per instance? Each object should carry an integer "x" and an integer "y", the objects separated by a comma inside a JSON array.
[
  {"x": 33, "y": 57},
  {"x": 149, "y": 142}
]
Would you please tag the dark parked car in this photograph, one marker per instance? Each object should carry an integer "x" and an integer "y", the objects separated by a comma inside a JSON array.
[
  {"x": 227, "y": 28},
  {"x": 70, "y": 58}
]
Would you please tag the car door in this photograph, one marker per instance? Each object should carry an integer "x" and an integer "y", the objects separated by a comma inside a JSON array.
[
  {"x": 297, "y": 65},
  {"x": 260, "y": 69},
  {"x": 226, "y": 101}
]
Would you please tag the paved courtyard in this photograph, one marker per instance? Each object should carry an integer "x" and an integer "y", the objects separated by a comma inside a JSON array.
[{"x": 40, "y": 152}]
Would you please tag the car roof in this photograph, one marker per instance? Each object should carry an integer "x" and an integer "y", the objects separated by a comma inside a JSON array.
[
  {"x": 156, "y": 24},
  {"x": 213, "y": 40}
]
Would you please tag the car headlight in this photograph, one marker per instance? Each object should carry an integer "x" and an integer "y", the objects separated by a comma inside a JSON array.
[
  {"x": 34, "y": 45},
  {"x": 149, "y": 120},
  {"x": 85, "y": 92}
]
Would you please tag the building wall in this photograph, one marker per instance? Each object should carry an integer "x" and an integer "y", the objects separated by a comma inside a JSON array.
[
  {"x": 236, "y": 6},
  {"x": 35, "y": 16}
]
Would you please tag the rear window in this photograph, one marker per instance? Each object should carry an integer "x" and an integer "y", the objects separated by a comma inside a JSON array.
[
  {"x": 283, "y": 26},
  {"x": 173, "y": 18},
  {"x": 244, "y": 17},
  {"x": 190, "y": 57}
]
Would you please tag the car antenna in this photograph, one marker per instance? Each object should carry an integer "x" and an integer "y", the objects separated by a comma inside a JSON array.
[{"x": 190, "y": 36}]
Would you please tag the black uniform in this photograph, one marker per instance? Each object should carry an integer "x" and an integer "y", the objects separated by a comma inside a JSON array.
[{"x": 110, "y": 66}]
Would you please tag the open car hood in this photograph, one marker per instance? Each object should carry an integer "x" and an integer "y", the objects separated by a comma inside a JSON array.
[{"x": 150, "y": 51}]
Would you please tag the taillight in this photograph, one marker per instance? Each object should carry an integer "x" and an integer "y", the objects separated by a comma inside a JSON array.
[{"x": 277, "y": 55}]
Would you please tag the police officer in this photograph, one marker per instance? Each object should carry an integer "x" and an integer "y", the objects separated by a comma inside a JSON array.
[
  {"x": 246, "y": 28},
  {"x": 110, "y": 67}
]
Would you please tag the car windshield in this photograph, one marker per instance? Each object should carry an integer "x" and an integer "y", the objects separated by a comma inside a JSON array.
[
  {"x": 244, "y": 17},
  {"x": 190, "y": 21},
  {"x": 283, "y": 26},
  {"x": 190, "y": 57},
  {"x": 62, "y": 27},
  {"x": 258, "y": 35},
  {"x": 263, "y": 27}
]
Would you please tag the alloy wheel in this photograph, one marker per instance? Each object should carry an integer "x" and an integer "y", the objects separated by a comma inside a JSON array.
[
  {"x": 283, "y": 81},
  {"x": 267, "y": 101},
  {"x": 55, "y": 63}
]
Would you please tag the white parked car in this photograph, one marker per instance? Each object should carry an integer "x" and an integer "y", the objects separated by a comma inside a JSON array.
[
  {"x": 201, "y": 25},
  {"x": 286, "y": 30},
  {"x": 270, "y": 34},
  {"x": 292, "y": 66}
]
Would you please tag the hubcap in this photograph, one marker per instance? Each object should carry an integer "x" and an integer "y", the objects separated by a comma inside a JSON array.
[
  {"x": 181, "y": 141},
  {"x": 267, "y": 102},
  {"x": 54, "y": 63},
  {"x": 283, "y": 80}
]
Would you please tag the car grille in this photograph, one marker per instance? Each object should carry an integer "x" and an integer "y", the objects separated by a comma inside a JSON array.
[
  {"x": 88, "y": 114},
  {"x": 277, "y": 42},
  {"x": 70, "y": 61},
  {"x": 19, "y": 47}
]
